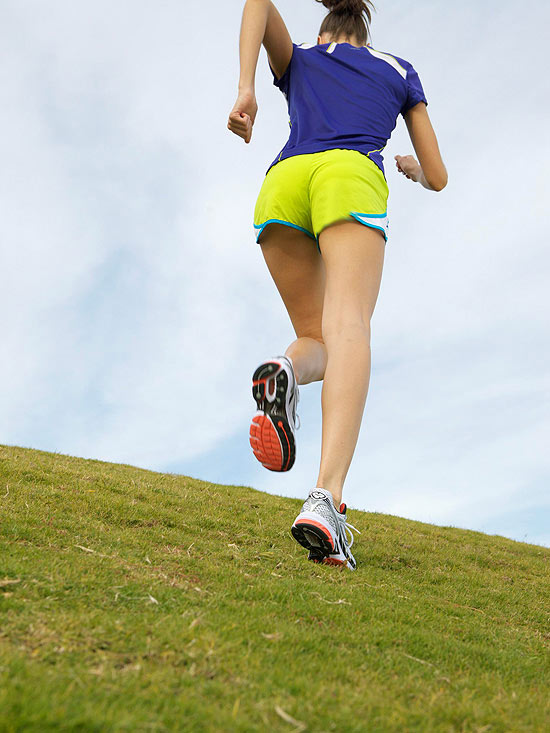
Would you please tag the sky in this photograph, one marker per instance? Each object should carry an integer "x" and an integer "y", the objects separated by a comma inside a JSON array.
[{"x": 136, "y": 303}]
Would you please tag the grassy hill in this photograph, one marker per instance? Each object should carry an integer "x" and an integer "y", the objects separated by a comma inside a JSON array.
[{"x": 136, "y": 601}]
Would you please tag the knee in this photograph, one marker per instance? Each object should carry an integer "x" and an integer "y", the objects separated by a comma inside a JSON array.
[{"x": 347, "y": 328}]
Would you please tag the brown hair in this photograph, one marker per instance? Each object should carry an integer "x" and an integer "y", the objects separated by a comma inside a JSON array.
[{"x": 346, "y": 18}]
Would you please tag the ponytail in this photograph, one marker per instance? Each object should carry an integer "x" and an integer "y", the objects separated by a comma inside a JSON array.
[{"x": 347, "y": 18}]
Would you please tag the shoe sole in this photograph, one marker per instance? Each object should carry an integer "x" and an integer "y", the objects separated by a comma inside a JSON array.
[
  {"x": 314, "y": 537},
  {"x": 329, "y": 560},
  {"x": 339, "y": 563},
  {"x": 271, "y": 437}
]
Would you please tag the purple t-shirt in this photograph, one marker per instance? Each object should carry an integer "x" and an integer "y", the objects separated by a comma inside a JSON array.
[{"x": 341, "y": 96}]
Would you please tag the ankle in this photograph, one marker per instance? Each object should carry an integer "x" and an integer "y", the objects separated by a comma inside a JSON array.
[{"x": 336, "y": 497}]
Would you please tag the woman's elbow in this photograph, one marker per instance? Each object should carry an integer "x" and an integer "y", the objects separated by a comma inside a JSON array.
[{"x": 439, "y": 181}]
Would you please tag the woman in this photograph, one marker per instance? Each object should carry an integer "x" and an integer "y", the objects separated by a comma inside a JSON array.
[{"x": 322, "y": 224}]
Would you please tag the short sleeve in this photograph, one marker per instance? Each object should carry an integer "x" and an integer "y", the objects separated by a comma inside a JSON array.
[
  {"x": 415, "y": 93},
  {"x": 284, "y": 81}
]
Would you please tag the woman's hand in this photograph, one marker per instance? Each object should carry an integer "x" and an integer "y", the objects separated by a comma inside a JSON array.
[
  {"x": 408, "y": 166},
  {"x": 243, "y": 114}
]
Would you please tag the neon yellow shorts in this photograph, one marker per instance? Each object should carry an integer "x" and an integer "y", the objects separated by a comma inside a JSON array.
[{"x": 311, "y": 191}]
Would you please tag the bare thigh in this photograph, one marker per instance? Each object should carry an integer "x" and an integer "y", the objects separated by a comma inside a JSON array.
[
  {"x": 354, "y": 256},
  {"x": 298, "y": 271}
]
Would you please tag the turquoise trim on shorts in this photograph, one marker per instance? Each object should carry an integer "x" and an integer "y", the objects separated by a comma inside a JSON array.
[
  {"x": 261, "y": 227},
  {"x": 357, "y": 216}
]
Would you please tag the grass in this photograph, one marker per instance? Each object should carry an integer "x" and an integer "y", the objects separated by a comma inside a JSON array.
[{"x": 137, "y": 601}]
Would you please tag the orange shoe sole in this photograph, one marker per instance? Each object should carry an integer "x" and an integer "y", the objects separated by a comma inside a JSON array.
[
  {"x": 271, "y": 437},
  {"x": 272, "y": 442}
]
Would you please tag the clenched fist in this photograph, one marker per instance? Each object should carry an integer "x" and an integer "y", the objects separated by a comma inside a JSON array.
[
  {"x": 409, "y": 166},
  {"x": 243, "y": 114}
]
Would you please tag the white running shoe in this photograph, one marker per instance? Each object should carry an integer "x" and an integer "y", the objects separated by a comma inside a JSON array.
[
  {"x": 321, "y": 529},
  {"x": 273, "y": 427}
]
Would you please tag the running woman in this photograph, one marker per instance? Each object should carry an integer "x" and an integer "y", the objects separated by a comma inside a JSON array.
[{"x": 321, "y": 221}]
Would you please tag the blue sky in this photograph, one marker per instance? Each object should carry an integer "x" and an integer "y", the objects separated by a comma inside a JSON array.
[{"x": 137, "y": 304}]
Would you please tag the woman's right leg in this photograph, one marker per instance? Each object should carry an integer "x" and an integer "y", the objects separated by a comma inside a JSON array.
[{"x": 353, "y": 255}]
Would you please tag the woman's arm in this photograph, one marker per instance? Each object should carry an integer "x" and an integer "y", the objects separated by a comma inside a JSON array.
[
  {"x": 253, "y": 25},
  {"x": 431, "y": 171},
  {"x": 261, "y": 23}
]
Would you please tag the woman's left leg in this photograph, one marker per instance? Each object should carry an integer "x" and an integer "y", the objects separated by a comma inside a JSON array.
[{"x": 298, "y": 271}]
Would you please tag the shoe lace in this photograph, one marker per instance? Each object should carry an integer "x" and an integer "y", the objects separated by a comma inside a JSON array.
[
  {"x": 342, "y": 524},
  {"x": 348, "y": 527}
]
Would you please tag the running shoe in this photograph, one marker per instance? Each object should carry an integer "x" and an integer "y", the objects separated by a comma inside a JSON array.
[
  {"x": 273, "y": 427},
  {"x": 322, "y": 530}
]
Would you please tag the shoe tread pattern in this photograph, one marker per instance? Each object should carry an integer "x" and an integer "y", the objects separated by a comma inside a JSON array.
[
  {"x": 271, "y": 437},
  {"x": 313, "y": 539}
]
